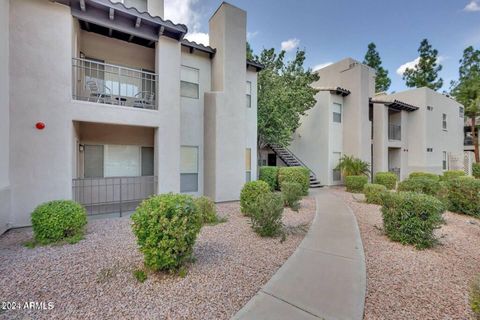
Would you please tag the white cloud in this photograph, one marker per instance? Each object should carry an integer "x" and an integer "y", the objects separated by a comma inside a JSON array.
[
  {"x": 411, "y": 64},
  {"x": 251, "y": 35},
  {"x": 472, "y": 6},
  {"x": 407, "y": 65},
  {"x": 181, "y": 11},
  {"x": 290, "y": 44},
  {"x": 198, "y": 37},
  {"x": 321, "y": 65}
]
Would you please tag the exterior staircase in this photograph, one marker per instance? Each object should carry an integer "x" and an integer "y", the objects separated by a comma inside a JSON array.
[{"x": 293, "y": 161}]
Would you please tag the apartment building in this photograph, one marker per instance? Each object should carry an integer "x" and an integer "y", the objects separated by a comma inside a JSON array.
[
  {"x": 106, "y": 103},
  {"x": 413, "y": 130}
]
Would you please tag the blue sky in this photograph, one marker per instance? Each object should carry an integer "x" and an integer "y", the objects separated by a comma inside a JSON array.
[{"x": 332, "y": 30}]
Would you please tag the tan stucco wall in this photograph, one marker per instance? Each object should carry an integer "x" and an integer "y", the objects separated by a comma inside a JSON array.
[
  {"x": 117, "y": 52},
  {"x": 192, "y": 110},
  {"x": 4, "y": 116},
  {"x": 318, "y": 137},
  {"x": 226, "y": 111},
  {"x": 40, "y": 67},
  {"x": 421, "y": 129}
]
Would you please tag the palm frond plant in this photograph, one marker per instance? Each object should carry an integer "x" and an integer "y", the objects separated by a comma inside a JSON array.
[{"x": 351, "y": 166}]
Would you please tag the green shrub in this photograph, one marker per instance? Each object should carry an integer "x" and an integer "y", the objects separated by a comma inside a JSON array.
[
  {"x": 266, "y": 218},
  {"x": 411, "y": 218},
  {"x": 424, "y": 175},
  {"x": 355, "y": 183},
  {"x": 166, "y": 227},
  {"x": 420, "y": 184},
  {"x": 464, "y": 196},
  {"x": 58, "y": 220},
  {"x": 387, "y": 179},
  {"x": 474, "y": 297},
  {"x": 476, "y": 170},
  {"x": 140, "y": 275},
  {"x": 374, "y": 192},
  {"x": 250, "y": 191},
  {"x": 452, "y": 174},
  {"x": 292, "y": 194},
  {"x": 207, "y": 210},
  {"x": 295, "y": 174},
  {"x": 270, "y": 176}
]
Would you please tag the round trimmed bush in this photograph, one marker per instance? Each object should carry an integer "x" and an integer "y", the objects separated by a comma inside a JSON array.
[
  {"x": 266, "y": 218},
  {"x": 424, "y": 175},
  {"x": 387, "y": 179},
  {"x": 206, "y": 208},
  {"x": 476, "y": 170},
  {"x": 355, "y": 184},
  {"x": 421, "y": 184},
  {"x": 270, "y": 176},
  {"x": 57, "y": 220},
  {"x": 452, "y": 174},
  {"x": 374, "y": 192},
  {"x": 292, "y": 194},
  {"x": 166, "y": 227},
  {"x": 411, "y": 218},
  {"x": 464, "y": 196},
  {"x": 295, "y": 174},
  {"x": 248, "y": 196}
]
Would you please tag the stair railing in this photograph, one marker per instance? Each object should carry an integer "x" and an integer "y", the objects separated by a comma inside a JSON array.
[{"x": 274, "y": 148}]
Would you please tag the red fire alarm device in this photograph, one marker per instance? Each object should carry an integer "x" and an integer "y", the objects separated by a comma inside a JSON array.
[{"x": 40, "y": 125}]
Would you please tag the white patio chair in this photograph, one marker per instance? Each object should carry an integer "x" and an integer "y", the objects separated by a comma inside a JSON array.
[
  {"x": 144, "y": 99},
  {"x": 97, "y": 95}
]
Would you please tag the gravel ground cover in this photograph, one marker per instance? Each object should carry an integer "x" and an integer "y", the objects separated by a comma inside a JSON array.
[
  {"x": 93, "y": 278},
  {"x": 405, "y": 283}
]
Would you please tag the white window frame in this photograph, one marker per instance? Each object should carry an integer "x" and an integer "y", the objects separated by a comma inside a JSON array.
[
  {"x": 249, "y": 94},
  {"x": 197, "y": 83},
  {"x": 339, "y": 114},
  {"x": 248, "y": 163},
  {"x": 444, "y": 161},
  {"x": 190, "y": 172},
  {"x": 444, "y": 121}
]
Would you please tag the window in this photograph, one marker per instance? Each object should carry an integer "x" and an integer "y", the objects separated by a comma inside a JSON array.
[
  {"x": 336, "y": 172},
  {"x": 248, "y": 164},
  {"x": 429, "y": 149},
  {"x": 337, "y": 112},
  {"x": 461, "y": 111},
  {"x": 188, "y": 169},
  {"x": 117, "y": 161},
  {"x": 189, "y": 80},
  {"x": 444, "y": 121},
  {"x": 93, "y": 161},
  {"x": 429, "y": 108},
  {"x": 249, "y": 94},
  {"x": 444, "y": 161},
  {"x": 122, "y": 161}
]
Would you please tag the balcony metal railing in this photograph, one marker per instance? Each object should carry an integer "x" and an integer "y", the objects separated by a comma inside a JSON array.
[
  {"x": 394, "y": 132},
  {"x": 112, "y": 84},
  {"x": 114, "y": 194}
]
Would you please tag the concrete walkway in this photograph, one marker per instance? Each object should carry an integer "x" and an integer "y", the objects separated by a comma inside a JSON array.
[{"x": 325, "y": 278}]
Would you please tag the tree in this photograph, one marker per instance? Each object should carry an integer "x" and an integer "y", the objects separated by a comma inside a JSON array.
[
  {"x": 250, "y": 55},
  {"x": 284, "y": 95},
  {"x": 425, "y": 72},
  {"x": 351, "y": 166},
  {"x": 372, "y": 59},
  {"x": 467, "y": 90}
]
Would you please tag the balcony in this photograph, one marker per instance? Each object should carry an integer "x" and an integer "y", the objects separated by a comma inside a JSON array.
[
  {"x": 110, "y": 84},
  {"x": 394, "y": 132}
]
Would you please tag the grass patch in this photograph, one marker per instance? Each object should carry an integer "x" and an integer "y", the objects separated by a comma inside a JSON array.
[{"x": 140, "y": 275}]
